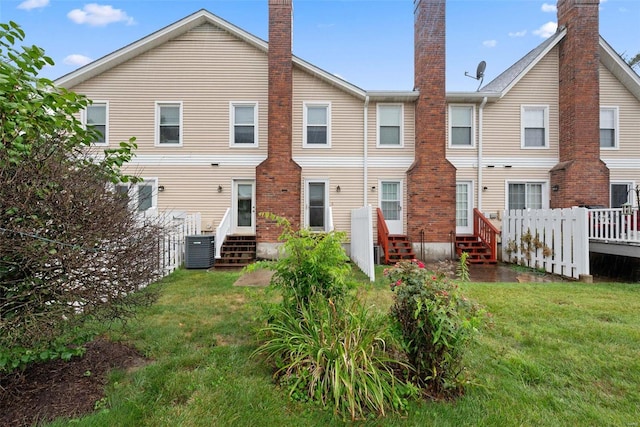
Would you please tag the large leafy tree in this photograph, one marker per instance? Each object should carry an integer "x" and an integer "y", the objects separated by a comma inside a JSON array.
[{"x": 70, "y": 248}]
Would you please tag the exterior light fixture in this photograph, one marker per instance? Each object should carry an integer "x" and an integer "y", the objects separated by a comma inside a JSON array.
[{"x": 219, "y": 188}]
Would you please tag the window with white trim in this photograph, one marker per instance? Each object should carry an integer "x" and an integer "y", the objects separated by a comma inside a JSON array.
[
  {"x": 142, "y": 196},
  {"x": 244, "y": 124},
  {"x": 609, "y": 127},
  {"x": 620, "y": 193},
  {"x": 535, "y": 126},
  {"x": 168, "y": 123},
  {"x": 317, "y": 125},
  {"x": 96, "y": 117},
  {"x": 526, "y": 195},
  {"x": 390, "y": 117},
  {"x": 461, "y": 125}
]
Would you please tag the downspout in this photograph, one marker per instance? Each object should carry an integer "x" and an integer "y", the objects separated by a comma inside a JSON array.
[
  {"x": 366, "y": 150},
  {"x": 480, "y": 185}
]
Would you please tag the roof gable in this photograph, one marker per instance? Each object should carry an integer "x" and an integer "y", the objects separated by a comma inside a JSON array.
[
  {"x": 502, "y": 84},
  {"x": 179, "y": 28}
]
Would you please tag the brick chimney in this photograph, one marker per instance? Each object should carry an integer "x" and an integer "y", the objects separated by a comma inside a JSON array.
[
  {"x": 580, "y": 177},
  {"x": 431, "y": 180},
  {"x": 278, "y": 178}
]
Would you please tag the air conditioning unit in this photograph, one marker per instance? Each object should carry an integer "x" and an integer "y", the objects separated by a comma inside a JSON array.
[{"x": 200, "y": 251}]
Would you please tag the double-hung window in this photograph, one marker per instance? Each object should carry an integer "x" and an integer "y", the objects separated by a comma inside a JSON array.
[
  {"x": 608, "y": 127},
  {"x": 244, "y": 124},
  {"x": 317, "y": 125},
  {"x": 461, "y": 125},
  {"x": 96, "y": 118},
  {"x": 168, "y": 124},
  {"x": 535, "y": 126},
  {"x": 526, "y": 195},
  {"x": 142, "y": 196},
  {"x": 390, "y": 125}
]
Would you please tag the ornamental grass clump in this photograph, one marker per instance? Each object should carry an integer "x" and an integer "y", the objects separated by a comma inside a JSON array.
[
  {"x": 434, "y": 323},
  {"x": 325, "y": 346}
]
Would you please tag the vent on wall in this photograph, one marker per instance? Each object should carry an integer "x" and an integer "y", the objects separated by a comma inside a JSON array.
[{"x": 200, "y": 251}]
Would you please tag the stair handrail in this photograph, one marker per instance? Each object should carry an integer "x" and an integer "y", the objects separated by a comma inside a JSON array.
[
  {"x": 383, "y": 234},
  {"x": 222, "y": 231},
  {"x": 486, "y": 232}
]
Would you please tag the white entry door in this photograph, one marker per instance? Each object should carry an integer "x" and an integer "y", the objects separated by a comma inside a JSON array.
[
  {"x": 316, "y": 206},
  {"x": 244, "y": 207},
  {"x": 464, "y": 207},
  {"x": 391, "y": 205}
]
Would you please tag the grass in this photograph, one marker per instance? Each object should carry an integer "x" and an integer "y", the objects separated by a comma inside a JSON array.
[{"x": 556, "y": 354}]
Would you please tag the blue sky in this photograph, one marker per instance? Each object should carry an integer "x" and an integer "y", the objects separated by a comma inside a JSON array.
[{"x": 368, "y": 43}]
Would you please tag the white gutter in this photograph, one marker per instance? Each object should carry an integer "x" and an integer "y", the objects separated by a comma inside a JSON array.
[
  {"x": 366, "y": 151},
  {"x": 480, "y": 186}
]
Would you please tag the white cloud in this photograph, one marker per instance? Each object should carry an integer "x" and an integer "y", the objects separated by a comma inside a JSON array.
[
  {"x": 547, "y": 30},
  {"x": 33, "y": 4},
  {"x": 77, "y": 59},
  {"x": 546, "y": 7},
  {"x": 97, "y": 15},
  {"x": 489, "y": 43},
  {"x": 518, "y": 33}
]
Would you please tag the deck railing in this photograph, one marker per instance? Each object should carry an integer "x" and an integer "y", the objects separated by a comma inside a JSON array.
[
  {"x": 383, "y": 235},
  {"x": 612, "y": 225},
  {"x": 486, "y": 232}
]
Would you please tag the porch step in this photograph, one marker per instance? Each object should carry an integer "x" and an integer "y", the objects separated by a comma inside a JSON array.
[
  {"x": 237, "y": 251},
  {"x": 479, "y": 253},
  {"x": 400, "y": 248}
]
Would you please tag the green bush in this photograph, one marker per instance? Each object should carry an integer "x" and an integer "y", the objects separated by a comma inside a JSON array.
[
  {"x": 335, "y": 358},
  {"x": 310, "y": 263},
  {"x": 435, "y": 322}
]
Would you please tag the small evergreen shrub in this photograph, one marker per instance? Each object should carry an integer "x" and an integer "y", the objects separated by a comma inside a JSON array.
[{"x": 435, "y": 322}]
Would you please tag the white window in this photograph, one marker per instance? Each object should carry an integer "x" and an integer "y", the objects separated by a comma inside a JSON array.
[
  {"x": 461, "y": 125},
  {"x": 609, "y": 127},
  {"x": 527, "y": 195},
  {"x": 390, "y": 117},
  {"x": 168, "y": 123},
  {"x": 620, "y": 193},
  {"x": 244, "y": 124},
  {"x": 96, "y": 117},
  {"x": 142, "y": 196},
  {"x": 535, "y": 126},
  {"x": 317, "y": 125}
]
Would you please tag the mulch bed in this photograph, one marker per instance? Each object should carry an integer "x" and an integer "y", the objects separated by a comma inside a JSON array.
[{"x": 50, "y": 390}]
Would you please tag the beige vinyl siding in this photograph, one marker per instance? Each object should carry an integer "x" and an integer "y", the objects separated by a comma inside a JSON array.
[
  {"x": 502, "y": 134},
  {"x": 342, "y": 203},
  {"x": 408, "y": 133},
  {"x": 195, "y": 189},
  {"x": 614, "y": 94},
  {"x": 205, "y": 69},
  {"x": 347, "y": 134}
]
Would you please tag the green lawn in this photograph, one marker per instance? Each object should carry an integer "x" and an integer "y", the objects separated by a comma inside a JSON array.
[{"x": 556, "y": 354}]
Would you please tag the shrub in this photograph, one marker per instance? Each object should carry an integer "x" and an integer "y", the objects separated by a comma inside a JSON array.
[
  {"x": 310, "y": 264},
  {"x": 434, "y": 323},
  {"x": 335, "y": 358}
]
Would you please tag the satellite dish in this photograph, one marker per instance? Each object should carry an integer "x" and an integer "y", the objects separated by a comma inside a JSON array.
[{"x": 479, "y": 73}]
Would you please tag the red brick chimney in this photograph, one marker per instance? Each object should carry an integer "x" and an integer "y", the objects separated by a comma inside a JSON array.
[
  {"x": 431, "y": 180},
  {"x": 580, "y": 177},
  {"x": 278, "y": 178}
]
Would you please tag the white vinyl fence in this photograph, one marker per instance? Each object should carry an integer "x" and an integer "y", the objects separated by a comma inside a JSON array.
[
  {"x": 172, "y": 243},
  {"x": 362, "y": 240},
  {"x": 555, "y": 240}
]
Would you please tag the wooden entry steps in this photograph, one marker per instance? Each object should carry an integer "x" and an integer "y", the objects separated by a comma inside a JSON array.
[
  {"x": 479, "y": 253},
  {"x": 400, "y": 248},
  {"x": 237, "y": 252}
]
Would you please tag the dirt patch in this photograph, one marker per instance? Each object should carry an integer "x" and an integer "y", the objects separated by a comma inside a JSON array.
[
  {"x": 50, "y": 390},
  {"x": 260, "y": 277}
]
